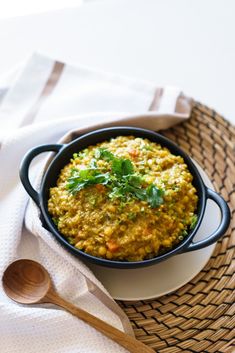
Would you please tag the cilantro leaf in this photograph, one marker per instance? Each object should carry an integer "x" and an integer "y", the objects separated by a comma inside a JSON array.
[
  {"x": 119, "y": 166},
  {"x": 122, "y": 181},
  {"x": 194, "y": 222},
  {"x": 135, "y": 180},
  {"x": 122, "y": 167},
  {"x": 93, "y": 163},
  {"x": 102, "y": 153},
  {"x": 127, "y": 167},
  {"x": 139, "y": 193},
  {"x": 85, "y": 177},
  {"x": 154, "y": 196}
]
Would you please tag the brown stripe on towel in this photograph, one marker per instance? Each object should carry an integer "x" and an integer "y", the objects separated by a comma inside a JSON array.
[
  {"x": 156, "y": 99},
  {"x": 183, "y": 104},
  {"x": 47, "y": 90}
]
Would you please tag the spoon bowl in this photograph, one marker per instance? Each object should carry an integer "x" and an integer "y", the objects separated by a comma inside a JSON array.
[{"x": 26, "y": 281}]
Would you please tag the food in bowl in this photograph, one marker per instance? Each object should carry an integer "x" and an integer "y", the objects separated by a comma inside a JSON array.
[{"x": 126, "y": 199}]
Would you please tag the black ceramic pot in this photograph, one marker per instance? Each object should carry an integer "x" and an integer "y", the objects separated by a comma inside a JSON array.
[{"x": 62, "y": 157}]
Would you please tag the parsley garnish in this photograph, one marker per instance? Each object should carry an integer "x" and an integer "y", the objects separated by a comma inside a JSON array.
[
  {"x": 154, "y": 196},
  {"x": 132, "y": 215},
  {"x": 122, "y": 181},
  {"x": 79, "y": 179},
  {"x": 55, "y": 220},
  {"x": 193, "y": 222}
]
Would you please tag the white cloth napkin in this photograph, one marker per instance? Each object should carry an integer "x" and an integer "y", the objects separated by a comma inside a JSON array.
[{"x": 44, "y": 101}]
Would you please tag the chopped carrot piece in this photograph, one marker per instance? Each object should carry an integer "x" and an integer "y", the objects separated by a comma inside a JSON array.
[
  {"x": 100, "y": 187},
  {"x": 134, "y": 153},
  {"x": 147, "y": 231},
  {"x": 112, "y": 246}
]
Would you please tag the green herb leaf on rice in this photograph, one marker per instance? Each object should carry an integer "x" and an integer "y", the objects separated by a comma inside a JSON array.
[
  {"x": 122, "y": 181},
  {"x": 80, "y": 179},
  {"x": 154, "y": 196},
  {"x": 194, "y": 221}
]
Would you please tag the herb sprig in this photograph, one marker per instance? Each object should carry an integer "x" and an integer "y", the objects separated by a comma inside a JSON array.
[
  {"x": 194, "y": 221},
  {"x": 122, "y": 181},
  {"x": 80, "y": 179}
]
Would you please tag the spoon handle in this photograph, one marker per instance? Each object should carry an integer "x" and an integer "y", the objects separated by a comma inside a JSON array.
[{"x": 128, "y": 342}]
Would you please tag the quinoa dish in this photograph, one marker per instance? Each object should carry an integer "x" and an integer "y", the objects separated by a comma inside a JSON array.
[{"x": 126, "y": 199}]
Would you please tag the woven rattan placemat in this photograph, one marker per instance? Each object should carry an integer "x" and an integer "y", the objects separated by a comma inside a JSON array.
[{"x": 200, "y": 316}]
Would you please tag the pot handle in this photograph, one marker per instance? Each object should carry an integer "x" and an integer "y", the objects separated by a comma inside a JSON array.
[
  {"x": 24, "y": 167},
  {"x": 225, "y": 220}
]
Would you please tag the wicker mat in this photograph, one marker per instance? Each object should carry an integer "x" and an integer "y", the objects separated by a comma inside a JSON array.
[{"x": 199, "y": 317}]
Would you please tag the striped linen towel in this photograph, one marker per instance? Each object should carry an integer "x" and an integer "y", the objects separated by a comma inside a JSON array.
[{"x": 44, "y": 101}]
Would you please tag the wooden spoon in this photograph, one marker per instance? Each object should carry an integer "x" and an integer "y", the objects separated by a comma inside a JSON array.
[{"x": 28, "y": 282}]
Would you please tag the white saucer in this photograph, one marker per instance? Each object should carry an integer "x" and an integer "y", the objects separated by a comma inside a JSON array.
[{"x": 167, "y": 276}]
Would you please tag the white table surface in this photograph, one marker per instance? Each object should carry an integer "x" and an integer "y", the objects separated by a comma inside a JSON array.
[{"x": 189, "y": 44}]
